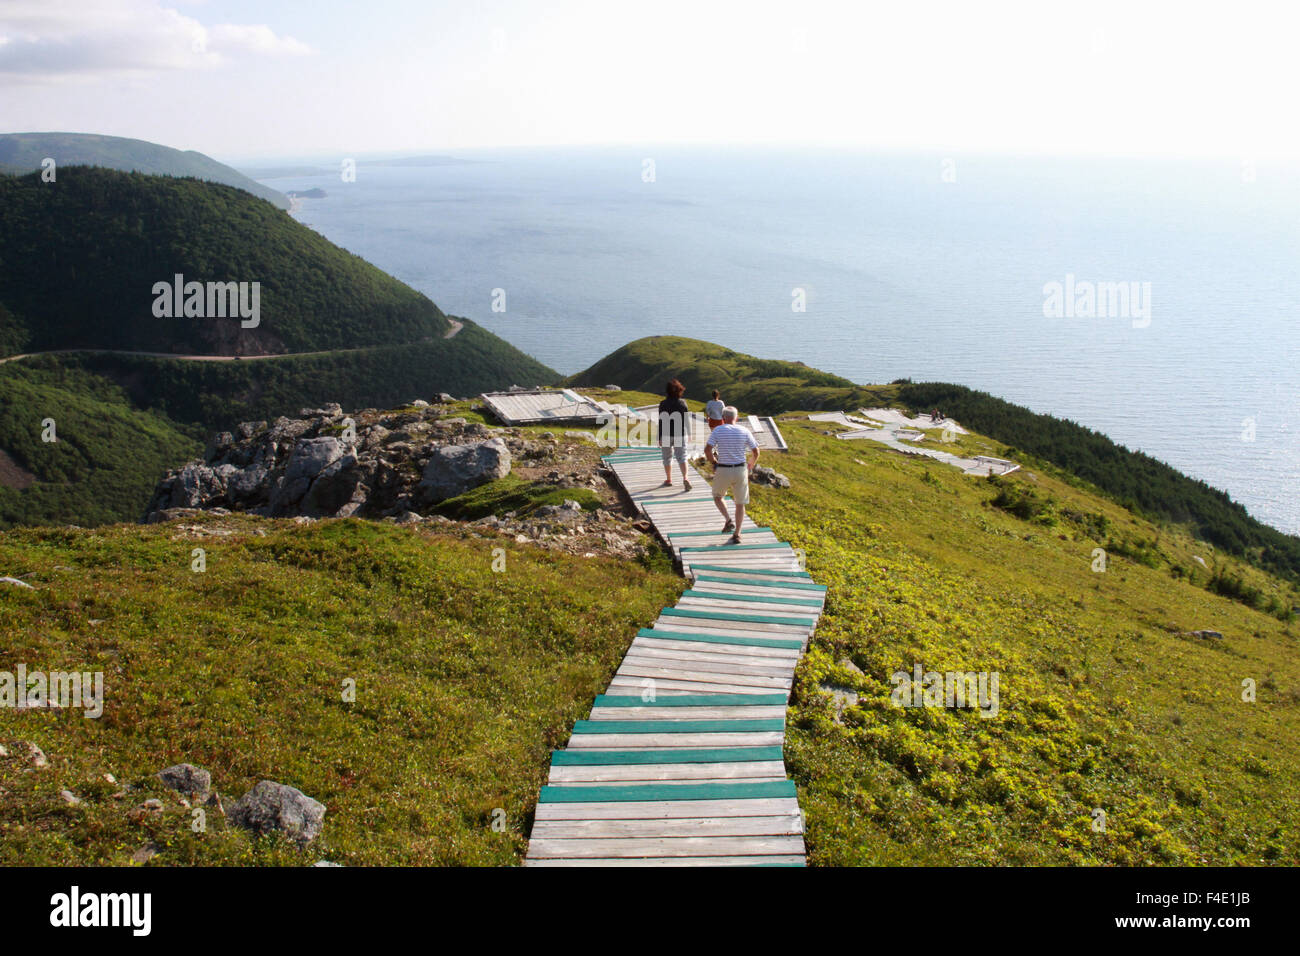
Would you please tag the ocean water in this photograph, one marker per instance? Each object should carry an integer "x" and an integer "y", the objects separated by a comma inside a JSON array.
[{"x": 920, "y": 266}]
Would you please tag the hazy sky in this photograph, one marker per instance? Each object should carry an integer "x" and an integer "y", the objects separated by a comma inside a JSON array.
[{"x": 239, "y": 79}]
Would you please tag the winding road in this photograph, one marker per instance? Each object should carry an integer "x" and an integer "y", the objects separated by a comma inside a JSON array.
[{"x": 449, "y": 334}]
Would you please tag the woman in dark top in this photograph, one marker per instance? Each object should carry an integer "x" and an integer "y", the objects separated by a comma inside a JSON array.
[{"x": 674, "y": 419}]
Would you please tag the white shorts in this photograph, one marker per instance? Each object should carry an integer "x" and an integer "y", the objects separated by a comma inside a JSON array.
[{"x": 735, "y": 480}]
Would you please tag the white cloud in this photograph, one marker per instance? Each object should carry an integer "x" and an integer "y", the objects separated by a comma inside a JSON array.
[{"x": 42, "y": 40}]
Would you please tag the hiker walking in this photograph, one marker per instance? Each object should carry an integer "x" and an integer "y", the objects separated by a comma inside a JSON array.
[
  {"x": 727, "y": 449},
  {"x": 673, "y": 419},
  {"x": 713, "y": 410}
]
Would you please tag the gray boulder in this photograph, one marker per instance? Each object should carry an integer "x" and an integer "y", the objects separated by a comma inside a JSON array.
[
  {"x": 311, "y": 456},
  {"x": 187, "y": 779},
  {"x": 272, "y": 807},
  {"x": 767, "y": 476},
  {"x": 197, "y": 484},
  {"x": 455, "y": 469}
]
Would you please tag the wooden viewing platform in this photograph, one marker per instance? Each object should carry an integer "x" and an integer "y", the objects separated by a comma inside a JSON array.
[{"x": 680, "y": 763}]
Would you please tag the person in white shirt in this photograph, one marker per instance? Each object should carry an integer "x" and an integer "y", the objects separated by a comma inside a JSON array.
[
  {"x": 713, "y": 410},
  {"x": 727, "y": 449}
]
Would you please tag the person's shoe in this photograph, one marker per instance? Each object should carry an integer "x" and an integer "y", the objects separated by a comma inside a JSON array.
[
  {"x": 686, "y": 484},
  {"x": 729, "y": 526},
  {"x": 735, "y": 539},
  {"x": 666, "y": 484}
]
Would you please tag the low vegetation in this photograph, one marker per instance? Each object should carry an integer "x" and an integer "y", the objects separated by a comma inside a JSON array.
[
  {"x": 1112, "y": 710},
  {"x": 465, "y": 678}
]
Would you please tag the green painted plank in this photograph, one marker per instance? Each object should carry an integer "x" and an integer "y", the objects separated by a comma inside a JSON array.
[
  {"x": 706, "y": 638},
  {"x": 599, "y": 758},
  {"x": 655, "y": 792},
  {"x": 758, "y": 598},
  {"x": 775, "y": 546},
  {"x": 794, "y": 585},
  {"x": 770, "y": 573},
  {"x": 789, "y": 643},
  {"x": 750, "y": 618},
  {"x": 678, "y": 726},
  {"x": 671, "y": 501},
  {"x": 693, "y": 700},
  {"x": 696, "y": 534}
]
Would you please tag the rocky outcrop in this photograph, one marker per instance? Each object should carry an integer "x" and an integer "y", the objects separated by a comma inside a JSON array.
[
  {"x": 455, "y": 469},
  {"x": 329, "y": 465}
]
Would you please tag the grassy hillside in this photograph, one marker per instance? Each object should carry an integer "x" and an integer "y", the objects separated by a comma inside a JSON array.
[
  {"x": 23, "y": 152},
  {"x": 465, "y": 678},
  {"x": 762, "y": 386},
  {"x": 79, "y": 259},
  {"x": 107, "y": 457},
  {"x": 1106, "y": 701},
  {"x": 1133, "y": 478}
]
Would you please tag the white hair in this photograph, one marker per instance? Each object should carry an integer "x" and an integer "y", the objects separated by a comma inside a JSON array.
[{"x": 730, "y": 414}]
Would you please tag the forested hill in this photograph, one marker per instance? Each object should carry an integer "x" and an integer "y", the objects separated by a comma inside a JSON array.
[
  {"x": 80, "y": 257},
  {"x": 23, "y": 152}
]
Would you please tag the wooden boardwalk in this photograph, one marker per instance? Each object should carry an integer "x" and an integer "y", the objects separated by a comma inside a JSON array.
[{"x": 680, "y": 763}]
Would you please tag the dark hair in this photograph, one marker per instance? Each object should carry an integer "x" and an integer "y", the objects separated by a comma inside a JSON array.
[
  {"x": 675, "y": 389},
  {"x": 715, "y": 393}
]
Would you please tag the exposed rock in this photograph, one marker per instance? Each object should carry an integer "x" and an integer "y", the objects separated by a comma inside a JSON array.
[
  {"x": 153, "y": 807},
  {"x": 1208, "y": 634},
  {"x": 767, "y": 476},
  {"x": 146, "y": 853},
  {"x": 274, "y": 807},
  {"x": 34, "y": 754},
  {"x": 17, "y": 583},
  {"x": 70, "y": 798},
  {"x": 455, "y": 469},
  {"x": 187, "y": 779}
]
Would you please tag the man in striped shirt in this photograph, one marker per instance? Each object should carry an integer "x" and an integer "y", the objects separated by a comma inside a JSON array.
[{"x": 728, "y": 451}]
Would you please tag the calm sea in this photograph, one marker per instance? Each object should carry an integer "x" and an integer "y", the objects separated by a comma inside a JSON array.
[{"x": 929, "y": 267}]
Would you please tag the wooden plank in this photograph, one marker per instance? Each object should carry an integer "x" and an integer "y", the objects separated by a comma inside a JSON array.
[
  {"x": 655, "y": 712},
  {"x": 666, "y": 809},
  {"x": 752, "y": 598},
  {"x": 710, "y": 700},
  {"x": 739, "y": 618},
  {"x": 737, "y": 585},
  {"x": 668, "y": 686},
  {"x": 769, "y": 573},
  {"x": 756, "y": 529},
  {"x": 783, "y": 825},
  {"x": 646, "y": 773},
  {"x": 570, "y": 758},
  {"x": 703, "y": 636},
  {"x": 683, "y": 861},
  {"x": 789, "y": 614},
  {"x": 764, "y": 738},
  {"x": 712, "y": 664},
  {"x": 715, "y": 548},
  {"x": 670, "y": 671},
  {"x": 667, "y": 846},
  {"x": 711, "y": 647}
]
